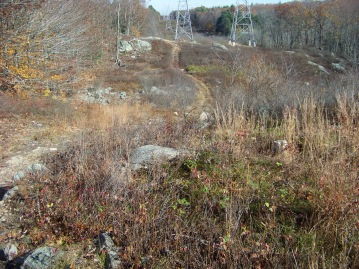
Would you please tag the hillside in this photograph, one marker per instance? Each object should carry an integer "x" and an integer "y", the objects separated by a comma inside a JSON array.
[{"x": 187, "y": 155}]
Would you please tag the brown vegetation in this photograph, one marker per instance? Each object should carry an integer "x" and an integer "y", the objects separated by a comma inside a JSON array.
[{"x": 232, "y": 202}]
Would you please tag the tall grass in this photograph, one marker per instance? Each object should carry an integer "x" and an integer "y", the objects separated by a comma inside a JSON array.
[{"x": 231, "y": 204}]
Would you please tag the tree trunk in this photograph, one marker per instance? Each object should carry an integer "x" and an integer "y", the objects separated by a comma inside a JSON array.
[{"x": 118, "y": 35}]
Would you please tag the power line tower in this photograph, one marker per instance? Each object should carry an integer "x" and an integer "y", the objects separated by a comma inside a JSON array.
[
  {"x": 183, "y": 25},
  {"x": 242, "y": 24},
  {"x": 168, "y": 22}
]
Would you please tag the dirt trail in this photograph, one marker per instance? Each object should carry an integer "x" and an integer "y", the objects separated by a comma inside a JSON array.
[{"x": 204, "y": 97}]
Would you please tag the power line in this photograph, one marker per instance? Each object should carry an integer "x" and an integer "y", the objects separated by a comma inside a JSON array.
[
  {"x": 242, "y": 24},
  {"x": 168, "y": 20},
  {"x": 183, "y": 25}
]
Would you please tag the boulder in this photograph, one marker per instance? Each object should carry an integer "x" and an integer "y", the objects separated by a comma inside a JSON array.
[
  {"x": 125, "y": 46},
  {"x": 311, "y": 63},
  {"x": 10, "y": 193},
  {"x": 219, "y": 46},
  {"x": 41, "y": 258},
  {"x": 105, "y": 241},
  {"x": 122, "y": 95},
  {"x": 107, "y": 246},
  {"x": 146, "y": 156},
  {"x": 8, "y": 253},
  {"x": 263, "y": 112},
  {"x": 32, "y": 169},
  {"x": 321, "y": 68},
  {"x": 98, "y": 96},
  {"x": 35, "y": 168},
  {"x": 19, "y": 175},
  {"x": 141, "y": 45},
  {"x": 119, "y": 95},
  {"x": 338, "y": 67},
  {"x": 205, "y": 117},
  {"x": 135, "y": 45},
  {"x": 155, "y": 90},
  {"x": 279, "y": 146}
]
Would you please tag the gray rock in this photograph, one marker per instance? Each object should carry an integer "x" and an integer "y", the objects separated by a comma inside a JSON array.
[
  {"x": 122, "y": 95},
  {"x": 205, "y": 117},
  {"x": 32, "y": 169},
  {"x": 35, "y": 168},
  {"x": 321, "y": 68},
  {"x": 155, "y": 90},
  {"x": 10, "y": 252},
  {"x": 219, "y": 46},
  {"x": 205, "y": 120},
  {"x": 279, "y": 146},
  {"x": 311, "y": 63},
  {"x": 125, "y": 47},
  {"x": 41, "y": 258},
  {"x": 106, "y": 91},
  {"x": 146, "y": 156},
  {"x": 98, "y": 96},
  {"x": 338, "y": 67},
  {"x": 141, "y": 45},
  {"x": 10, "y": 193},
  {"x": 135, "y": 45},
  {"x": 263, "y": 112},
  {"x": 19, "y": 175},
  {"x": 107, "y": 245},
  {"x": 106, "y": 241}
]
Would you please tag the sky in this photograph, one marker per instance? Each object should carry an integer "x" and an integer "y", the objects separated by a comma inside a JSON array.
[{"x": 166, "y": 6}]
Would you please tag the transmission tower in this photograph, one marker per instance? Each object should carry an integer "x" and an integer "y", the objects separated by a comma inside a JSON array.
[
  {"x": 183, "y": 25},
  {"x": 242, "y": 24},
  {"x": 168, "y": 22}
]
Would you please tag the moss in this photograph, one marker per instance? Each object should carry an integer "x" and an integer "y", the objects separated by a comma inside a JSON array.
[{"x": 201, "y": 69}]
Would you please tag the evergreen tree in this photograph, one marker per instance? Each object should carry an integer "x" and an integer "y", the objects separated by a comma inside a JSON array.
[{"x": 224, "y": 23}]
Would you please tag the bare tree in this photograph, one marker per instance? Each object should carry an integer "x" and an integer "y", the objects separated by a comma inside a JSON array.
[{"x": 118, "y": 34}]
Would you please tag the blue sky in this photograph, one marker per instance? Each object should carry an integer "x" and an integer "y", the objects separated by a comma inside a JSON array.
[{"x": 166, "y": 6}]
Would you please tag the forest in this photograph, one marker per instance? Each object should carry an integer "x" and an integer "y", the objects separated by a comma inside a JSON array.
[{"x": 329, "y": 25}]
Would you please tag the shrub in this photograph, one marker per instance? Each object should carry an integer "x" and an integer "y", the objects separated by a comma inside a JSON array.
[
  {"x": 174, "y": 89},
  {"x": 230, "y": 205}
]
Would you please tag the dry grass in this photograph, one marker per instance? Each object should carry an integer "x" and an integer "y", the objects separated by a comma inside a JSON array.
[
  {"x": 104, "y": 117},
  {"x": 175, "y": 90},
  {"x": 231, "y": 203}
]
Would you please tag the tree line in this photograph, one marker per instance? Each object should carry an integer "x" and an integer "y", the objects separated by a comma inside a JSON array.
[
  {"x": 47, "y": 41},
  {"x": 331, "y": 25}
]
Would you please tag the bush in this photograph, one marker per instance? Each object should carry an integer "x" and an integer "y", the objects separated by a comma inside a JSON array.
[
  {"x": 232, "y": 204},
  {"x": 174, "y": 89},
  {"x": 34, "y": 105}
]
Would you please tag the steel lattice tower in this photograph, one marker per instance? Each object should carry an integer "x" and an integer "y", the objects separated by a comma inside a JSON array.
[
  {"x": 183, "y": 25},
  {"x": 242, "y": 24},
  {"x": 168, "y": 22}
]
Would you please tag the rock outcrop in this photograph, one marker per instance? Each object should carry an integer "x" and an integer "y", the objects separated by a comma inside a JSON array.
[
  {"x": 136, "y": 45},
  {"x": 108, "y": 247},
  {"x": 146, "y": 156},
  {"x": 219, "y": 46},
  {"x": 41, "y": 258}
]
